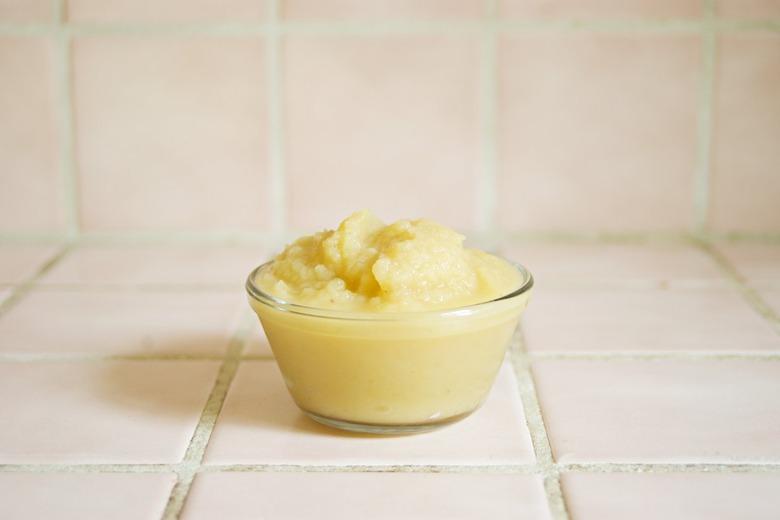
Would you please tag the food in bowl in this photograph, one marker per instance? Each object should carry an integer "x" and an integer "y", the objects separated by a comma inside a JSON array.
[{"x": 388, "y": 328}]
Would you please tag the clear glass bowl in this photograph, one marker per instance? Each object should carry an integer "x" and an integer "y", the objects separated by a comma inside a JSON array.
[{"x": 389, "y": 373}]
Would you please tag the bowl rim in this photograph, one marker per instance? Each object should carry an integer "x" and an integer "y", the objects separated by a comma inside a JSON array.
[{"x": 260, "y": 296}]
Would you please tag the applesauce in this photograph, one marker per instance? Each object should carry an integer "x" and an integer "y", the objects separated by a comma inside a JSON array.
[{"x": 388, "y": 328}]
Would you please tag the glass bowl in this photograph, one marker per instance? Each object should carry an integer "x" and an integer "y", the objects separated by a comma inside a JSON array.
[{"x": 389, "y": 372}]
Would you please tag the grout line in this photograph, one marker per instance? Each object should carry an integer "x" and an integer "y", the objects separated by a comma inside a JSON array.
[
  {"x": 277, "y": 190},
  {"x": 657, "y": 356},
  {"x": 749, "y": 294},
  {"x": 488, "y": 78},
  {"x": 196, "y": 450},
  {"x": 88, "y": 468},
  {"x": 703, "y": 174},
  {"x": 523, "y": 469},
  {"x": 46, "y": 357},
  {"x": 694, "y": 467},
  {"x": 535, "y": 421},
  {"x": 64, "y": 70},
  {"x": 22, "y": 289}
]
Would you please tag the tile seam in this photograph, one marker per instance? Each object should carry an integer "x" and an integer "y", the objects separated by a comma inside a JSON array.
[
  {"x": 749, "y": 294},
  {"x": 196, "y": 449},
  {"x": 703, "y": 171},
  {"x": 20, "y": 291},
  {"x": 535, "y": 421}
]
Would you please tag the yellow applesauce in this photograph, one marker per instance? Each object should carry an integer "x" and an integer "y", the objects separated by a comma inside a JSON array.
[{"x": 399, "y": 324}]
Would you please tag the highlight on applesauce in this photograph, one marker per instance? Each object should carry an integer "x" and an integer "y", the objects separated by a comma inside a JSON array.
[{"x": 367, "y": 265}]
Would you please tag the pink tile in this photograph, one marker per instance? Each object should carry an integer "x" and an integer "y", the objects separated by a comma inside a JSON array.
[
  {"x": 406, "y": 9},
  {"x": 599, "y": 9},
  {"x": 20, "y": 262},
  {"x": 158, "y": 265},
  {"x": 112, "y": 412},
  {"x": 5, "y": 292},
  {"x": 645, "y": 320},
  {"x": 121, "y": 322},
  {"x": 171, "y": 133},
  {"x": 758, "y": 263},
  {"x": 387, "y": 123},
  {"x": 25, "y": 11},
  {"x": 745, "y": 184},
  {"x": 573, "y": 264},
  {"x": 32, "y": 194},
  {"x": 684, "y": 495},
  {"x": 80, "y": 496},
  {"x": 261, "y": 424},
  {"x": 302, "y": 496},
  {"x": 166, "y": 11},
  {"x": 772, "y": 297},
  {"x": 661, "y": 411},
  {"x": 593, "y": 135},
  {"x": 749, "y": 8}
]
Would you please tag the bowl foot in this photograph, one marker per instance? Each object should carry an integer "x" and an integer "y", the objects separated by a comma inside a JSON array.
[{"x": 385, "y": 429}]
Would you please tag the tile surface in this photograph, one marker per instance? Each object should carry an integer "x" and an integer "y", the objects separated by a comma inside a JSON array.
[
  {"x": 606, "y": 100},
  {"x": 157, "y": 265},
  {"x": 384, "y": 9},
  {"x": 171, "y": 133},
  {"x": 661, "y": 411},
  {"x": 387, "y": 123},
  {"x": 606, "y": 265},
  {"x": 749, "y": 8},
  {"x": 645, "y": 320},
  {"x": 121, "y": 322},
  {"x": 373, "y": 495},
  {"x": 80, "y": 496},
  {"x": 24, "y": 11},
  {"x": 261, "y": 424},
  {"x": 598, "y": 9},
  {"x": 112, "y": 412},
  {"x": 257, "y": 344},
  {"x": 745, "y": 184},
  {"x": 166, "y": 11},
  {"x": 20, "y": 262},
  {"x": 685, "y": 496},
  {"x": 29, "y": 146}
]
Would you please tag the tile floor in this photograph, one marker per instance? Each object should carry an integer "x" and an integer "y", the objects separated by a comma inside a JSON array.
[{"x": 130, "y": 386}]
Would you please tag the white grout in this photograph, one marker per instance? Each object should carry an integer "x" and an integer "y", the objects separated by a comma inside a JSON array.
[
  {"x": 704, "y": 122},
  {"x": 19, "y": 291},
  {"x": 196, "y": 450},
  {"x": 536, "y": 427},
  {"x": 277, "y": 191}
]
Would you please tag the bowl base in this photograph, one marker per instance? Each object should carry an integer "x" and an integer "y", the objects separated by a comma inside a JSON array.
[{"x": 386, "y": 429}]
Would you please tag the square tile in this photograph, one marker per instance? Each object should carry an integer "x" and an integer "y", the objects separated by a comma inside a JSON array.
[
  {"x": 121, "y": 322},
  {"x": 20, "y": 262},
  {"x": 384, "y": 9},
  {"x": 599, "y": 9},
  {"x": 302, "y": 496},
  {"x": 171, "y": 133},
  {"x": 661, "y": 411},
  {"x": 32, "y": 198},
  {"x": 759, "y": 264},
  {"x": 604, "y": 264},
  {"x": 260, "y": 424},
  {"x": 25, "y": 11},
  {"x": 386, "y": 123},
  {"x": 157, "y": 265},
  {"x": 749, "y": 8},
  {"x": 745, "y": 183},
  {"x": 102, "y": 412},
  {"x": 166, "y": 11},
  {"x": 629, "y": 134},
  {"x": 592, "y": 320},
  {"x": 83, "y": 496},
  {"x": 615, "y": 496}
]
